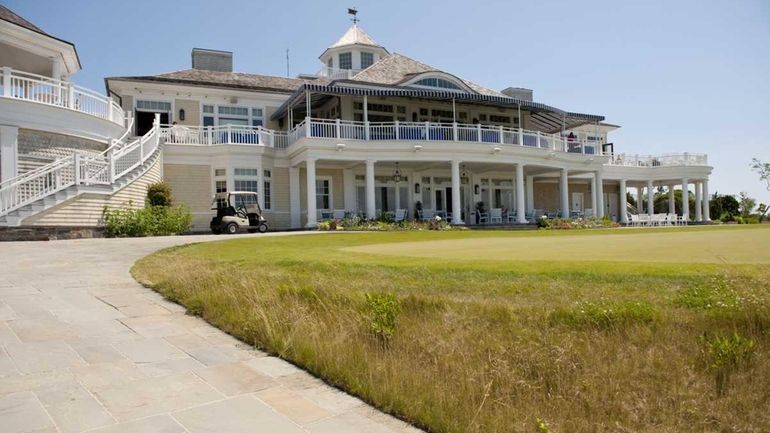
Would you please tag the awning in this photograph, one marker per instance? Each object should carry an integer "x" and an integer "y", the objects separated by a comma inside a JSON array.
[{"x": 544, "y": 117}]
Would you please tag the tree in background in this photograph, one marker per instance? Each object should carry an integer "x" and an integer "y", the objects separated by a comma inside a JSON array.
[
  {"x": 724, "y": 207},
  {"x": 746, "y": 204},
  {"x": 763, "y": 169}
]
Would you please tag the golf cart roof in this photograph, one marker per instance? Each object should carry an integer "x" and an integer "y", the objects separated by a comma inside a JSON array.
[{"x": 224, "y": 195}]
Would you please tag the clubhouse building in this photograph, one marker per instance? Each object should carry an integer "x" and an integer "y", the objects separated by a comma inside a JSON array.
[{"x": 373, "y": 131}]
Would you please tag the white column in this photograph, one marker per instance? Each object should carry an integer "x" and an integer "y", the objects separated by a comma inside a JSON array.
[
  {"x": 294, "y": 200},
  {"x": 312, "y": 217},
  {"x": 349, "y": 189},
  {"x": 9, "y": 152},
  {"x": 261, "y": 187},
  {"x": 698, "y": 202},
  {"x": 456, "y": 208},
  {"x": 530, "y": 185},
  {"x": 639, "y": 197},
  {"x": 599, "y": 194},
  {"x": 650, "y": 199},
  {"x": 56, "y": 68},
  {"x": 706, "y": 201},
  {"x": 685, "y": 199},
  {"x": 521, "y": 207},
  {"x": 671, "y": 200},
  {"x": 371, "y": 211},
  {"x": 564, "y": 193},
  {"x": 593, "y": 196},
  {"x": 623, "y": 202}
]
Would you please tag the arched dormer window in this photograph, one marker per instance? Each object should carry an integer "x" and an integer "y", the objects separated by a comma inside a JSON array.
[{"x": 438, "y": 81}]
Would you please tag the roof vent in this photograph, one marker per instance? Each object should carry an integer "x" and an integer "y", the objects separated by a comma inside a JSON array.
[
  {"x": 212, "y": 60},
  {"x": 518, "y": 93}
]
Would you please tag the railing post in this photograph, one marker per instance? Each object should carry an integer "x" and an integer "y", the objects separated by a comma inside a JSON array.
[
  {"x": 307, "y": 127},
  {"x": 366, "y": 130},
  {"x": 478, "y": 132},
  {"x": 210, "y": 137},
  {"x": 229, "y": 133},
  {"x": 76, "y": 167},
  {"x": 337, "y": 128},
  {"x": 583, "y": 147},
  {"x": 71, "y": 95},
  {"x": 454, "y": 131},
  {"x": 427, "y": 130},
  {"x": 398, "y": 131},
  {"x": 7, "y": 82},
  {"x": 521, "y": 137},
  {"x": 538, "y": 138},
  {"x": 500, "y": 128}
]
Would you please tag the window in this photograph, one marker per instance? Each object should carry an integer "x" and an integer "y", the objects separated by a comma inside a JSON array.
[
  {"x": 268, "y": 190},
  {"x": 234, "y": 111},
  {"x": 222, "y": 115},
  {"x": 346, "y": 61},
  {"x": 246, "y": 172},
  {"x": 322, "y": 194},
  {"x": 246, "y": 185},
  {"x": 438, "y": 83},
  {"x": 257, "y": 117},
  {"x": 220, "y": 186},
  {"x": 153, "y": 105},
  {"x": 366, "y": 60},
  {"x": 208, "y": 109},
  {"x": 220, "y": 172},
  {"x": 499, "y": 119}
]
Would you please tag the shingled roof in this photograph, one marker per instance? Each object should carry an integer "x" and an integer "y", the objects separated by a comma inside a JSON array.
[
  {"x": 355, "y": 35},
  {"x": 233, "y": 80},
  {"x": 10, "y": 16},
  {"x": 397, "y": 68}
]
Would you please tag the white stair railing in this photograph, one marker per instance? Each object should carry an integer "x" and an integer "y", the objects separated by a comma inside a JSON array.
[{"x": 78, "y": 169}]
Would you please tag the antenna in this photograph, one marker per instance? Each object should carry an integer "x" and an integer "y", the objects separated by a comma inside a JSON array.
[
  {"x": 287, "y": 64},
  {"x": 353, "y": 12}
]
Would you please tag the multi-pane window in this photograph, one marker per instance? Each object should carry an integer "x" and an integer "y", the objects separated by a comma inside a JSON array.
[
  {"x": 438, "y": 83},
  {"x": 220, "y": 172},
  {"x": 246, "y": 185},
  {"x": 346, "y": 61},
  {"x": 153, "y": 105},
  {"x": 322, "y": 194},
  {"x": 246, "y": 172},
  {"x": 268, "y": 190},
  {"x": 220, "y": 186},
  {"x": 366, "y": 60},
  {"x": 221, "y": 115}
]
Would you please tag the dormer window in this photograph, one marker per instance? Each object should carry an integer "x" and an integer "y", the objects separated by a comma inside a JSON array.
[
  {"x": 346, "y": 61},
  {"x": 437, "y": 80},
  {"x": 438, "y": 83},
  {"x": 367, "y": 59}
]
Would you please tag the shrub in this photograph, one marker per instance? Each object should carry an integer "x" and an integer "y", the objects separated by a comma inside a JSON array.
[
  {"x": 577, "y": 223},
  {"x": 383, "y": 310},
  {"x": 159, "y": 194},
  {"x": 716, "y": 294},
  {"x": 725, "y": 355},
  {"x": 604, "y": 314},
  {"x": 150, "y": 221}
]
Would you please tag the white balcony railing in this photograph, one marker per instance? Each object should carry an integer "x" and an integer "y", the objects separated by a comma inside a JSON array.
[
  {"x": 227, "y": 134},
  {"x": 45, "y": 90},
  {"x": 665, "y": 160},
  {"x": 430, "y": 131},
  {"x": 338, "y": 74}
]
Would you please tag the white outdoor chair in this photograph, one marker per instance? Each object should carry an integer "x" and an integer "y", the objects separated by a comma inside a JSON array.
[
  {"x": 588, "y": 213},
  {"x": 512, "y": 216},
  {"x": 338, "y": 214},
  {"x": 635, "y": 221},
  {"x": 483, "y": 217},
  {"x": 400, "y": 215},
  {"x": 496, "y": 216}
]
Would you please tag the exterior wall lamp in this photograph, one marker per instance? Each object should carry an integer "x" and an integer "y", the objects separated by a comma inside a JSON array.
[
  {"x": 417, "y": 188},
  {"x": 476, "y": 189}
]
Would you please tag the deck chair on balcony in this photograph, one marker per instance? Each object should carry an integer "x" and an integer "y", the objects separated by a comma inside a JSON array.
[
  {"x": 496, "y": 216},
  {"x": 400, "y": 215}
]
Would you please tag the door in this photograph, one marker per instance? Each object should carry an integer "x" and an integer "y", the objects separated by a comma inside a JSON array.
[
  {"x": 577, "y": 202},
  {"x": 611, "y": 206},
  {"x": 144, "y": 121}
]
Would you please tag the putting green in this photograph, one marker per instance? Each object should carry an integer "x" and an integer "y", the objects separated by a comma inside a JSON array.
[{"x": 697, "y": 246}]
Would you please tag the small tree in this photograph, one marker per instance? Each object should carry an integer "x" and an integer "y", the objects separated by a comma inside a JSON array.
[
  {"x": 746, "y": 203},
  {"x": 159, "y": 194},
  {"x": 763, "y": 169}
]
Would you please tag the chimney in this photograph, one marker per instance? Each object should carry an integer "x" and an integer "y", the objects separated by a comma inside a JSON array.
[
  {"x": 518, "y": 93},
  {"x": 212, "y": 60}
]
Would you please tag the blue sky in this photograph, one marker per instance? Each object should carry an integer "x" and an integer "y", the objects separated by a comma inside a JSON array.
[{"x": 684, "y": 75}]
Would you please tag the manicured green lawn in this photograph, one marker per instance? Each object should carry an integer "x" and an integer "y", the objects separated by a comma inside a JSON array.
[{"x": 602, "y": 330}]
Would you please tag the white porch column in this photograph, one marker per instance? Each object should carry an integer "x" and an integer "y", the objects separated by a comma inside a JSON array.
[
  {"x": 456, "y": 208},
  {"x": 593, "y": 196},
  {"x": 599, "y": 194},
  {"x": 349, "y": 189},
  {"x": 261, "y": 187},
  {"x": 294, "y": 200},
  {"x": 564, "y": 193},
  {"x": 530, "y": 193},
  {"x": 623, "y": 202},
  {"x": 9, "y": 152},
  {"x": 312, "y": 217},
  {"x": 56, "y": 68},
  {"x": 650, "y": 199},
  {"x": 371, "y": 211},
  {"x": 521, "y": 207},
  {"x": 671, "y": 200},
  {"x": 685, "y": 199},
  {"x": 706, "y": 201},
  {"x": 639, "y": 199},
  {"x": 698, "y": 202}
]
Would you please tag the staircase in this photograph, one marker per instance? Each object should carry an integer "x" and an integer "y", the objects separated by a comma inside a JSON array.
[{"x": 67, "y": 178}]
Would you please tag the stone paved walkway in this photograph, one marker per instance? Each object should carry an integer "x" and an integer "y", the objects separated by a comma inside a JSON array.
[{"x": 83, "y": 347}]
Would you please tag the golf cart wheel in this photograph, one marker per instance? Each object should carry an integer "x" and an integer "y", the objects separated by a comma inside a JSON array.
[
  {"x": 262, "y": 228},
  {"x": 231, "y": 229},
  {"x": 216, "y": 231}
]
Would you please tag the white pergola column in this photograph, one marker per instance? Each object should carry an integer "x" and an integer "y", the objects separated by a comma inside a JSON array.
[
  {"x": 671, "y": 200},
  {"x": 639, "y": 199},
  {"x": 564, "y": 193},
  {"x": 261, "y": 186},
  {"x": 593, "y": 196},
  {"x": 650, "y": 199},
  {"x": 349, "y": 189},
  {"x": 521, "y": 206},
  {"x": 9, "y": 152},
  {"x": 371, "y": 204},
  {"x": 698, "y": 202},
  {"x": 623, "y": 202},
  {"x": 294, "y": 198},
  {"x": 456, "y": 208},
  {"x": 530, "y": 186},
  {"x": 312, "y": 217},
  {"x": 599, "y": 212},
  {"x": 685, "y": 199},
  {"x": 706, "y": 201}
]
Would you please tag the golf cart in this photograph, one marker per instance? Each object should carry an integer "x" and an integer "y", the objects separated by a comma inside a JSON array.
[{"x": 237, "y": 211}]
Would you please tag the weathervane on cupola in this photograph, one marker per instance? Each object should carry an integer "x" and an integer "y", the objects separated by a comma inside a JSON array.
[{"x": 354, "y": 13}]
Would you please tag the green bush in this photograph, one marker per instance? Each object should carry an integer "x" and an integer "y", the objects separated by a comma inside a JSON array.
[
  {"x": 363, "y": 224},
  {"x": 159, "y": 194},
  {"x": 604, "y": 314},
  {"x": 577, "y": 223},
  {"x": 383, "y": 310},
  {"x": 149, "y": 221},
  {"x": 725, "y": 355}
]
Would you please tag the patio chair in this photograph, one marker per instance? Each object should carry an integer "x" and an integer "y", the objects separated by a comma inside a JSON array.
[
  {"x": 496, "y": 216},
  {"x": 427, "y": 214},
  {"x": 511, "y": 217},
  {"x": 338, "y": 214},
  {"x": 552, "y": 214},
  {"x": 400, "y": 215},
  {"x": 634, "y": 220},
  {"x": 588, "y": 213},
  {"x": 482, "y": 217}
]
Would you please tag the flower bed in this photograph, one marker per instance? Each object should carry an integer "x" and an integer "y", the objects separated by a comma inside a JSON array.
[
  {"x": 363, "y": 224},
  {"x": 577, "y": 223}
]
